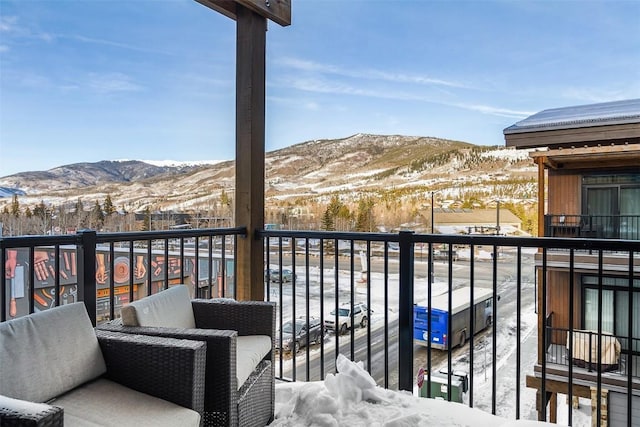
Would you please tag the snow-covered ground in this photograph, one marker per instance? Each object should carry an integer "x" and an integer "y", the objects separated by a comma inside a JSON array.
[{"x": 482, "y": 370}]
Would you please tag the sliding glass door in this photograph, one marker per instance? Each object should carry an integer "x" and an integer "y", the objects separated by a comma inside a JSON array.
[
  {"x": 615, "y": 309},
  {"x": 611, "y": 206},
  {"x": 630, "y": 213}
]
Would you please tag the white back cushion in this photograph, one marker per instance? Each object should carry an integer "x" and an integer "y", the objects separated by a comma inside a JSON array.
[
  {"x": 170, "y": 308},
  {"x": 250, "y": 350},
  {"x": 48, "y": 353}
]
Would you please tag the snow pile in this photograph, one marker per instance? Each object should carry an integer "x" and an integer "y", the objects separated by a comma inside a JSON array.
[{"x": 352, "y": 398}]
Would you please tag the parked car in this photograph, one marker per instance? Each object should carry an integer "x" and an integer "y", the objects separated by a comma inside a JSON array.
[
  {"x": 443, "y": 255},
  {"x": 273, "y": 275},
  {"x": 360, "y": 317},
  {"x": 296, "y": 335}
]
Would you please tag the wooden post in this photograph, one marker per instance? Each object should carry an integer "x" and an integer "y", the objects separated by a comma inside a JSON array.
[
  {"x": 250, "y": 125},
  {"x": 251, "y": 33},
  {"x": 553, "y": 408},
  {"x": 541, "y": 316},
  {"x": 603, "y": 402}
]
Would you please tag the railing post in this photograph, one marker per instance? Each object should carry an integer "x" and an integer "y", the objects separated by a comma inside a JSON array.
[
  {"x": 405, "y": 326},
  {"x": 87, "y": 271}
]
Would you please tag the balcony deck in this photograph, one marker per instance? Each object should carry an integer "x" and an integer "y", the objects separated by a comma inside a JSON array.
[{"x": 388, "y": 272}]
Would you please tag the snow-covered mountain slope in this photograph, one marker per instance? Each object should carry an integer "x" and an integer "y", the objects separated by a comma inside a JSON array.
[{"x": 315, "y": 170}]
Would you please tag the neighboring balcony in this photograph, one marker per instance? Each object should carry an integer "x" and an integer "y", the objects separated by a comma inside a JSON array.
[
  {"x": 617, "y": 356},
  {"x": 625, "y": 227}
]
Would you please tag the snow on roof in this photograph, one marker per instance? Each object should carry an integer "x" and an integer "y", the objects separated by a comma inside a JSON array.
[
  {"x": 471, "y": 217},
  {"x": 606, "y": 113}
]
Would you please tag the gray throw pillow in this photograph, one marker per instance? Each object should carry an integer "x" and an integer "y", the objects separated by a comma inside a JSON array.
[{"x": 45, "y": 354}]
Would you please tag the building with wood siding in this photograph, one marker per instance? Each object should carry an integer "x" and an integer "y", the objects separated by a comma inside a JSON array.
[{"x": 588, "y": 161}]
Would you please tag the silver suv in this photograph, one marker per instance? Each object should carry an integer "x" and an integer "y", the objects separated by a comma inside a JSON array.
[{"x": 360, "y": 317}]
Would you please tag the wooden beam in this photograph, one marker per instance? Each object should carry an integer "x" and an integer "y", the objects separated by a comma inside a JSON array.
[
  {"x": 278, "y": 11},
  {"x": 250, "y": 134},
  {"x": 598, "y": 157},
  {"x": 553, "y": 386}
]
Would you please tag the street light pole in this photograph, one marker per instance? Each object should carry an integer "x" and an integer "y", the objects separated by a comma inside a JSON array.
[
  {"x": 498, "y": 218},
  {"x": 432, "y": 217},
  {"x": 431, "y": 246}
]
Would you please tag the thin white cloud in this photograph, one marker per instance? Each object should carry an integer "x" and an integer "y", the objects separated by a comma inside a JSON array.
[
  {"x": 591, "y": 95},
  {"x": 112, "y": 83},
  {"x": 4, "y": 48},
  {"x": 322, "y": 86},
  {"x": 32, "y": 80},
  {"x": 103, "y": 42},
  {"x": 495, "y": 111},
  {"x": 295, "y": 103},
  {"x": 371, "y": 74},
  {"x": 8, "y": 24},
  {"x": 302, "y": 64}
]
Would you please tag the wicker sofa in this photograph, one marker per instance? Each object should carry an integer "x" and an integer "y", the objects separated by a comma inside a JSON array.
[
  {"x": 239, "y": 384},
  {"x": 56, "y": 370}
]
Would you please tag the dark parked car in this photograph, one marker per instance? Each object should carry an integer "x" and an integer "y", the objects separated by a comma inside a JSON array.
[
  {"x": 273, "y": 275},
  {"x": 301, "y": 336}
]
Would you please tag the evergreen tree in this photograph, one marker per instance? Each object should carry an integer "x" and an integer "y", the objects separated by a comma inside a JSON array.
[
  {"x": 327, "y": 221},
  {"x": 109, "y": 209},
  {"x": 15, "y": 206},
  {"x": 97, "y": 213},
  {"x": 40, "y": 211},
  {"x": 79, "y": 207},
  {"x": 365, "y": 221},
  {"x": 225, "y": 200},
  {"x": 146, "y": 221},
  {"x": 334, "y": 206}
]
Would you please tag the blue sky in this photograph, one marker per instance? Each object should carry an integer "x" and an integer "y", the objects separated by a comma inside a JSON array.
[{"x": 155, "y": 79}]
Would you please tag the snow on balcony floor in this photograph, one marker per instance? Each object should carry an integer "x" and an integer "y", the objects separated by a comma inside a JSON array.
[{"x": 352, "y": 398}]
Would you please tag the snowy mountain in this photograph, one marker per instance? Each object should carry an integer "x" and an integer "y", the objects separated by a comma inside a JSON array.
[
  {"x": 10, "y": 192},
  {"x": 315, "y": 170}
]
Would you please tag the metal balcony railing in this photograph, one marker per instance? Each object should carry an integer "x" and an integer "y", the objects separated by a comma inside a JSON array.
[
  {"x": 626, "y": 227},
  {"x": 313, "y": 275},
  {"x": 618, "y": 354}
]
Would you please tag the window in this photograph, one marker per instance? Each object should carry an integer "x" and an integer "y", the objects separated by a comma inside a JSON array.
[
  {"x": 615, "y": 308},
  {"x": 611, "y": 204}
]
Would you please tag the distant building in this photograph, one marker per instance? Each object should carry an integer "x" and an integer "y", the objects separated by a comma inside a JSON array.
[
  {"x": 476, "y": 221},
  {"x": 588, "y": 161}
]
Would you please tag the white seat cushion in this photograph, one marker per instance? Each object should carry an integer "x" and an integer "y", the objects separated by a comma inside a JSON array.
[
  {"x": 106, "y": 403},
  {"x": 250, "y": 350},
  {"x": 170, "y": 308}
]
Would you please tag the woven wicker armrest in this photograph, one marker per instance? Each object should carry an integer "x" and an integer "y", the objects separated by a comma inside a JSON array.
[
  {"x": 21, "y": 413},
  {"x": 220, "y": 377},
  {"x": 167, "y": 368},
  {"x": 246, "y": 317},
  {"x": 220, "y": 344}
]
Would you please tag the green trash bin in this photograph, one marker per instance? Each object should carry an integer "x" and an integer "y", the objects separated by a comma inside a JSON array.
[{"x": 440, "y": 388}]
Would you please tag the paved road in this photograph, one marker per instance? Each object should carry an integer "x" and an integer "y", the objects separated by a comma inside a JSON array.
[{"x": 483, "y": 277}]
